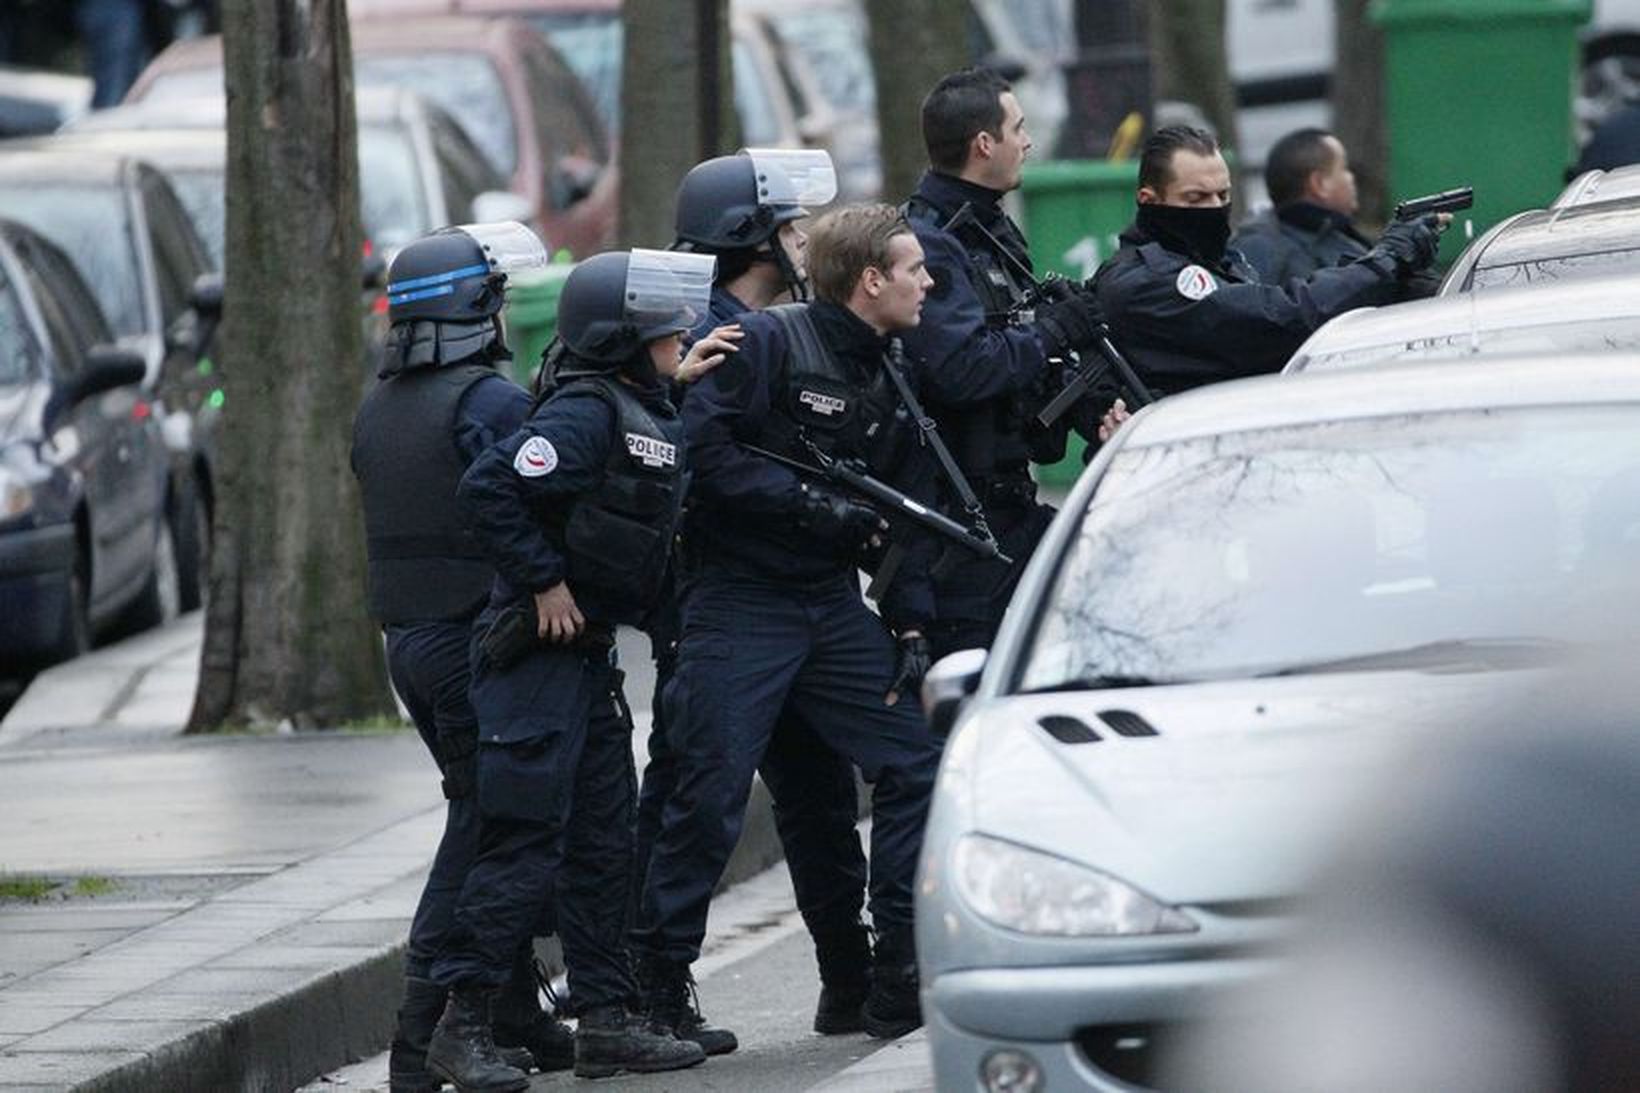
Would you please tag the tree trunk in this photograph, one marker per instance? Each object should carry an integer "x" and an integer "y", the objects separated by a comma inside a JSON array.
[
  {"x": 667, "y": 86},
  {"x": 287, "y": 640},
  {"x": 1187, "y": 43},
  {"x": 913, "y": 44},
  {"x": 1358, "y": 106}
]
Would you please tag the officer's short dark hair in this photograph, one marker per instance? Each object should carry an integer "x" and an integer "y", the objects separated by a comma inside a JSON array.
[
  {"x": 1156, "y": 160},
  {"x": 845, "y": 241},
  {"x": 1291, "y": 162},
  {"x": 961, "y": 106}
]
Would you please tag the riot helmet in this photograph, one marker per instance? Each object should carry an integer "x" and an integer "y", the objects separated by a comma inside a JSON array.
[
  {"x": 445, "y": 291},
  {"x": 613, "y": 304},
  {"x": 738, "y": 203}
]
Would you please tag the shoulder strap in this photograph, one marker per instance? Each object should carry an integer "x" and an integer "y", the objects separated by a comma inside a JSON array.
[{"x": 804, "y": 349}]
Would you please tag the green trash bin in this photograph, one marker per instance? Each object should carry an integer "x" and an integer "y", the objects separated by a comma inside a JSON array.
[
  {"x": 1479, "y": 92},
  {"x": 1073, "y": 211},
  {"x": 531, "y": 316}
]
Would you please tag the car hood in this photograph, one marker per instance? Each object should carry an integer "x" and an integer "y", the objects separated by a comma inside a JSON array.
[{"x": 1237, "y": 794}]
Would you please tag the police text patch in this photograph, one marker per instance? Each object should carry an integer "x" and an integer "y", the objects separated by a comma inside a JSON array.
[
  {"x": 536, "y": 458},
  {"x": 651, "y": 452},
  {"x": 822, "y": 404},
  {"x": 1195, "y": 283}
]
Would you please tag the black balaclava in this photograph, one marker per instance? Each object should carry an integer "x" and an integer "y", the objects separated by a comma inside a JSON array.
[{"x": 1201, "y": 232}]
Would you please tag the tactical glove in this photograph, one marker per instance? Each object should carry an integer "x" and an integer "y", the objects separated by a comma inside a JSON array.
[
  {"x": 1410, "y": 244},
  {"x": 912, "y": 664},
  {"x": 838, "y": 519},
  {"x": 1070, "y": 323}
]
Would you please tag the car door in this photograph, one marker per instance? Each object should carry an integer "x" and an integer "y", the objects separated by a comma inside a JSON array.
[{"x": 110, "y": 439}]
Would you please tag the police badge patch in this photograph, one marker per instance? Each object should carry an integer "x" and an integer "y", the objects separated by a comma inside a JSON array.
[
  {"x": 651, "y": 452},
  {"x": 1195, "y": 283},
  {"x": 536, "y": 458}
]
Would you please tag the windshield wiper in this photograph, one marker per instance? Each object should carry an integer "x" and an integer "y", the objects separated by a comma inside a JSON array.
[
  {"x": 1524, "y": 652},
  {"x": 1098, "y": 683}
]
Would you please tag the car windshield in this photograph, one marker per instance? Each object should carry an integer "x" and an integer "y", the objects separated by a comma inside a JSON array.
[
  {"x": 1573, "y": 267},
  {"x": 1570, "y": 338},
  {"x": 393, "y": 204},
  {"x": 1408, "y": 539},
  {"x": 15, "y": 341},
  {"x": 203, "y": 197},
  {"x": 466, "y": 85},
  {"x": 186, "y": 83},
  {"x": 590, "y": 43},
  {"x": 93, "y": 224},
  {"x": 832, "y": 41}
]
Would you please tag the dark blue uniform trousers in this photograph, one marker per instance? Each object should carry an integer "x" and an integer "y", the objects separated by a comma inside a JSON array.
[
  {"x": 752, "y": 648},
  {"x": 816, "y": 808},
  {"x": 429, "y": 666},
  {"x": 556, "y": 789}
]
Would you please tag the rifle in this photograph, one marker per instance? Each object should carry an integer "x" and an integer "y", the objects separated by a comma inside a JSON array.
[
  {"x": 1447, "y": 201},
  {"x": 1052, "y": 288},
  {"x": 850, "y": 476}
]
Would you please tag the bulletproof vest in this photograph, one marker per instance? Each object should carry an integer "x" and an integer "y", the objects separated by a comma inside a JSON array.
[
  {"x": 617, "y": 538},
  {"x": 424, "y": 564},
  {"x": 812, "y": 396},
  {"x": 988, "y": 439}
]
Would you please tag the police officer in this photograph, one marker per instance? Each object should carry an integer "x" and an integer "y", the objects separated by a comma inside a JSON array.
[
  {"x": 1308, "y": 226},
  {"x": 576, "y": 511},
  {"x": 773, "y": 619},
  {"x": 1187, "y": 310},
  {"x": 440, "y": 402},
  {"x": 993, "y": 354},
  {"x": 745, "y": 210}
]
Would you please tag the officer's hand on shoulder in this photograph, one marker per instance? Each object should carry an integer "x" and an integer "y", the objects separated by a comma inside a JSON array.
[
  {"x": 1411, "y": 244},
  {"x": 1072, "y": 322},
  {"x": 709, "y": 352},
  {"x": 557, "y": 618}
]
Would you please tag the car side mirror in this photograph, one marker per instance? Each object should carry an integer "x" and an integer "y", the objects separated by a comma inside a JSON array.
[
  {"x": 492, "y": 206},
  {"x": 372, "y": 272},
  {"x": 949, "y": 684},
  {"x": 106, "y": 367},
  {"x": 205, "y": 297}
]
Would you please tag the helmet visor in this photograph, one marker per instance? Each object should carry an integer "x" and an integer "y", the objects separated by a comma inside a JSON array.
[
  {"x": 667, "y": 290},
  {"x": 793, "y": 176},
  {"x": 509, "y": 245}
]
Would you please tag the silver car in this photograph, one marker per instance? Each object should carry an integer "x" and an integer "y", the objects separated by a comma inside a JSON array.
[
  {"x": 1561, "y": 319},
  {"x": 1257, "y": 597}
]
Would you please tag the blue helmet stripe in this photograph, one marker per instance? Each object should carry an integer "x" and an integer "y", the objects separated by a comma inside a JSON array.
[
  {"x": 439, "y": 278},
  {"x": 421, "y": 294}
]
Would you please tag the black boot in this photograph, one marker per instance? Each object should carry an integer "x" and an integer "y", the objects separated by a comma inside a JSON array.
[
  {"x": 462, "y": 1051},
  {"x": 670, "y": 1003},
  {"x": 525, "y": 1035},
  {"x": 892, "y": 1008},
  {"x": 407, "y": 1058},
  {"x": 844, "y": 955},
  {"x": 609, "y": 1039}
]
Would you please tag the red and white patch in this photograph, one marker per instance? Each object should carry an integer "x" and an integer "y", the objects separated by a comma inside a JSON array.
[
  {"x": 536, "y": 458},
  {"x": 1195, "y": 283}
]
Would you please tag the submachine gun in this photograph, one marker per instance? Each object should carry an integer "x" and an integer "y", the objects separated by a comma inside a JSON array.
[
  {"x": 853, "y": 477},
  {"x": 1047, "y": 290}
]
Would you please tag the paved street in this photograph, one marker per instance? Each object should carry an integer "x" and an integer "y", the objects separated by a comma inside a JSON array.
[{"x": 244, "y": 885}]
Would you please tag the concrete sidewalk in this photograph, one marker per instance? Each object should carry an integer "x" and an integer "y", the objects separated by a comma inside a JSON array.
[{"x": 231, "y": 910}]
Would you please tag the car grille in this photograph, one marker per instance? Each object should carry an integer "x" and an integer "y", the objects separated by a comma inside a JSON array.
[{"x": 1130, "y": 1053}]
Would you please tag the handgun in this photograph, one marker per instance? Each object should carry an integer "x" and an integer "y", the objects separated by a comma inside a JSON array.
[{"x": 1447, "y": 201}]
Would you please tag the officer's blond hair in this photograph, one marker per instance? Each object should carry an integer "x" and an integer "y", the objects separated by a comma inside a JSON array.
[{"x": 845, "y": 242}]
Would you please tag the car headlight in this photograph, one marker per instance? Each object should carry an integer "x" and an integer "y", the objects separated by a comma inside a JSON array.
[
  {"x": 16, "y": 496},
  {"x": 1037, "y": 893}
]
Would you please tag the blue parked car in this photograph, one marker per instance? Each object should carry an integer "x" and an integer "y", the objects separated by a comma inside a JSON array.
[{"x": 85, "y": 543}]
